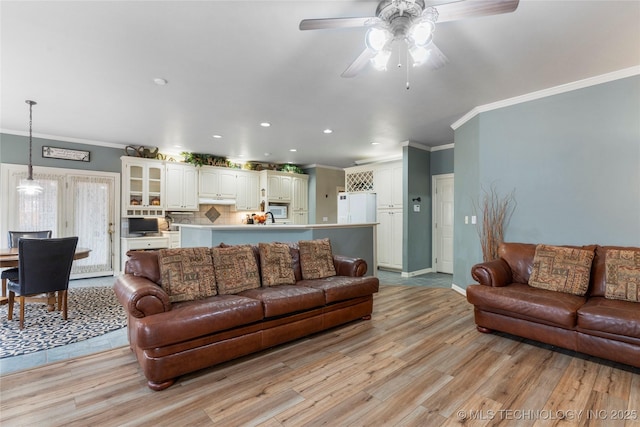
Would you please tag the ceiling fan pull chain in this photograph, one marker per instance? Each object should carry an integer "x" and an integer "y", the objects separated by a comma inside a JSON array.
[{"x": 407, "y": 67}]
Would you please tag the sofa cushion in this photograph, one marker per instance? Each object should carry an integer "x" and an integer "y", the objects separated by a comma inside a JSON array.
[
  {"x": 276, "y": 264},
  {"x": 286, "y": 299},
  {"x": 340, "y": 288},
  {"x": 623, "y": 274},
  {"x": 192, "y": 319},
  {"x": 528, "y": 303},
  {"x": 561, "y": 269},
  {"x": 610, "y": 316},
  {"x": 144, "y": 264},
  {"x": 236, "y": 269},
  {"x": 316, "y": 259},
  {"x": 187, "y": 273}
]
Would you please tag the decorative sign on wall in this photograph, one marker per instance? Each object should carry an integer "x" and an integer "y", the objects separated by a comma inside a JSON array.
[{"x": 65, "y": 154}]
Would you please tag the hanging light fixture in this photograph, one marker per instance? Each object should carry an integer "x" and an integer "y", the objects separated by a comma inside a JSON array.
[
  {"x": 403, "y": 20},
  {"x": 29, "y": 186}
]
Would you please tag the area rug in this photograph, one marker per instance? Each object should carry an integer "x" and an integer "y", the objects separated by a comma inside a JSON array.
[{"x": 92, "y": 311}]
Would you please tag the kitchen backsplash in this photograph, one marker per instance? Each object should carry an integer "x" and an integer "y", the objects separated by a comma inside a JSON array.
[{"x": 206, "y": 215}]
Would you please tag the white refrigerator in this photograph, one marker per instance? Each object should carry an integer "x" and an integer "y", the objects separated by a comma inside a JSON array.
[{"x": 356, "y": 208}]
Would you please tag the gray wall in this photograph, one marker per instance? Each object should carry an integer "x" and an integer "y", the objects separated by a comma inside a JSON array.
[
  {"x": 573, "y": 160},
  {"x": 442, "y": 161},
  {"x": 416, "y": 252},
  {"x": 15, "y": 149}
]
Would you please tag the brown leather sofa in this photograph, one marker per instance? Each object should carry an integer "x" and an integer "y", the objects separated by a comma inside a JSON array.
[
  {"x": 591, "y": 324},
  {"x": 172, "y": 339}
]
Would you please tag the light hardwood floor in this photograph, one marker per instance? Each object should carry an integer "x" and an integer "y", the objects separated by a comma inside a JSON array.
[{"x": 419, "y": 361}]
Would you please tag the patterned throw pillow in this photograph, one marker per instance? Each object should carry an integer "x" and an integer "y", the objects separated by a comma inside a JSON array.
[
  {"x": 622, "y": 274},
  {"x": 316, "y": 259},
  {"x": 236, "y": 269},
  {"x": 276, "y": 264},
  {"x": 561, "y": 269},
  {"x": 187, "y": 273}
]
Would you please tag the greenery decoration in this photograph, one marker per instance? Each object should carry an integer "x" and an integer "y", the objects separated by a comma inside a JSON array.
[
  {"x": 200, "y": 159},
  {"x": 291, "y": 168}
]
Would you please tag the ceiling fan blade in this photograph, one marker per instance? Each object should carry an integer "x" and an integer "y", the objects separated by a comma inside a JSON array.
[
  {"x": 327, "y": 23},
  {"x": 471, "y": 8},
  {"x": 360, "y": 62},
  {"x": 437, "y": 59}
]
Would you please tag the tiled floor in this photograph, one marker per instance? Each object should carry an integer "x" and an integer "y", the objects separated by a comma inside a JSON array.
[
  {"x": 119, "y": 338},
  {"x": 107, "y": 341}
]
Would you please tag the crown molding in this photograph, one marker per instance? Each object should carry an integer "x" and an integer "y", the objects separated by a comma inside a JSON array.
[
  {"x": 316, "y": 166},
  {"x": 64, "y": 138},
  {"x": 442, "y": 147},
  {"x": 568, "y": 87}
]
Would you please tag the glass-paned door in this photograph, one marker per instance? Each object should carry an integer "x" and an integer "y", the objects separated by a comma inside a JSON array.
[
  {"x": 92, "y": 220},
  {"x": 72, "y": 204},
  {"x": 35, "y": 212}
]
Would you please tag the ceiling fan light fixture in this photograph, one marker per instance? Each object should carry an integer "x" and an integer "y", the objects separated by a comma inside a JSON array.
[
  {"x": 381, "y": 60},
  {"x": 377, "y": 38},
  {"x": 421, "y": 33},
  {"x": 419, "y": 54}
]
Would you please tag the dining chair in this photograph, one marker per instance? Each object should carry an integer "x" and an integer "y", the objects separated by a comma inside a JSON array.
[
  {"x": 14, "y": 236},
  {"x": 44, "y": 266}
]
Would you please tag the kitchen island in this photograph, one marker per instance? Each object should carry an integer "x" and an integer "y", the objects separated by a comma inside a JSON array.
[{"x": 354, "y": 240}]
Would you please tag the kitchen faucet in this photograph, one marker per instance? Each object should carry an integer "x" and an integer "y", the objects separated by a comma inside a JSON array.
[{"x": 266, "y": 214}]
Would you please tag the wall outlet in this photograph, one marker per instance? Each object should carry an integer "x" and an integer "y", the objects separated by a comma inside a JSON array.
[
  {"x": 466, "y": 219},
  {"x": 325, "y": 218},
  {"x": 416, "y": 208}
]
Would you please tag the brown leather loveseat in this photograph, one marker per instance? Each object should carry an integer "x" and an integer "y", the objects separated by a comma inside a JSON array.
[
  {"x": 172, "y": 338},
  {"x": 604, "y": 321}
]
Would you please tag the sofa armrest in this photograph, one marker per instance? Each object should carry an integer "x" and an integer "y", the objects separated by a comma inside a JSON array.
[
  {"x": 348, "y": 266},
  {"x": 495, "y": 273},
  {"x": 140, "y": 296}
]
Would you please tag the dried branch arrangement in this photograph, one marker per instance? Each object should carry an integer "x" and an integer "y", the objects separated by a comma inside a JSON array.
[{"x": 496, "y": 212}]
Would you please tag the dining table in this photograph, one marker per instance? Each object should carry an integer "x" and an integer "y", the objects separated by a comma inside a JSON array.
[{"x": 9, "y": 258}]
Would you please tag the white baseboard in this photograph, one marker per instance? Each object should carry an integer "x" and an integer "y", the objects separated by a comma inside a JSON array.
[
  {"x": 417, "y": 272},
  {"x": 458, "y": 289}
]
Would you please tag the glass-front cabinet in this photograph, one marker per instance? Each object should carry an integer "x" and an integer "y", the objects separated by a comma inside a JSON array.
[{"x": 143, "y": 187}]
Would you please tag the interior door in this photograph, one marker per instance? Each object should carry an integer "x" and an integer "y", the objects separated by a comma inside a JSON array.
[{"x": 443, "y": 224}]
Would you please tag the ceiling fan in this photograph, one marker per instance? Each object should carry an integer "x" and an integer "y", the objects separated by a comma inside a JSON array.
[{"x": 410, "y": 21}]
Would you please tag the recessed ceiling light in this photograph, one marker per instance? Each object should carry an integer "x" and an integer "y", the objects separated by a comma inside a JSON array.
[
  {"x": 160, "y": 82},
  {"x": 265, "y": 124},
  {"x": 327, "y": 131},
  {"x": 216, "y": 136},
  {"x": 293, "y": 150},
  {"x": 267, "y": 154},
  {"x": 375, "y": 143}
]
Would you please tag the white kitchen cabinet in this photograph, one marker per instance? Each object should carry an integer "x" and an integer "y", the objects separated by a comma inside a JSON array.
[
  {"x": 387, "y": 182},
  {"x": 300, "y": 217},
  {"x": 142, "y": 187},
  {"x": 174, "y": 238},
  {"x": 390, "y": 238},
  {"x": 279, "y": 186},
  {"x": 217, "y": 183},
  {"x": 300, "y": 194},
  {"x": 181, "y": 192},
  {"x": 247, "y": 191},
  {"x": 141, "y": 244},
  {"x": 300, "y": 199}
]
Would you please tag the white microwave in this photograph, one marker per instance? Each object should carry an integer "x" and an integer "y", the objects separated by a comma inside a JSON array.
[{"x": 278, "y": 211}]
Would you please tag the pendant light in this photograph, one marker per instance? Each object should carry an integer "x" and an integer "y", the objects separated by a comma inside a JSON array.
[{"x": 29, "y": 187}]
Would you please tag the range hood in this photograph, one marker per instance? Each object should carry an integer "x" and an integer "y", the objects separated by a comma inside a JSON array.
[{"x": 208, "y": 201}]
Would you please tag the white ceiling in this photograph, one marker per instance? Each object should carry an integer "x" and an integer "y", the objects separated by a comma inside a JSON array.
[{"x": 233, "y": 64}]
